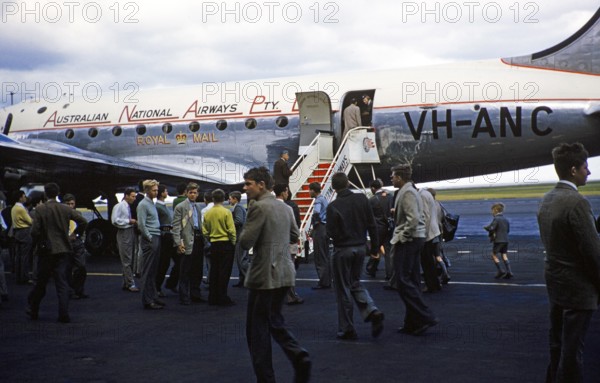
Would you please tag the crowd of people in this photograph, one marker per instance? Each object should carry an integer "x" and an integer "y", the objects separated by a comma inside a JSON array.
[{"x": 404, "y": 228}]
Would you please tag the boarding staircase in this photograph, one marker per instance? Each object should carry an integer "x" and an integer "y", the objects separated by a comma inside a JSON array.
[{"x": 317, "y": 163}]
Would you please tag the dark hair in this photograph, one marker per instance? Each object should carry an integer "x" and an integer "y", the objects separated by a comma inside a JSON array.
[
  {"x": 161, "y": 189},
  {"x": 208, "y": 197},
  {"x": 403, "y": 171},
  {"x": 236, "y": 194},
  {"x": 128, "y": 191},
  {"x": 315, "y": 186},
  {"x": 339, "y": 181},
  {"x": 16, "y": 196},
  {"x": 68, "y": 197},
  {"x": 258, "y": 175},
  {"x": 181, "y": 187},
  {"x": 218, "y": 196},
  {"x": 376, "y": 184},
  {"x": 567, "y": 156},
  {"x": 51, "y": 189},
  {"x": 279, "y": 189}
]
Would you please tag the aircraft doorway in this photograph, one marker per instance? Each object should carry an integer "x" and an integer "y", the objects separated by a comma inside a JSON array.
[
  {"x": 315, "y": 116},
  {"x": 351, "y": 117}
]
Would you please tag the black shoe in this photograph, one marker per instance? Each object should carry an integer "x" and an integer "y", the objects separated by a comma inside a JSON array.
[
  {"x": 376, "y": 319},
  {"x": 350, "y": 335},
  {"x": 198, "y": 300},
  {"x": 421, "y": 329},
  {"x": 445, "y": 280},
  {"x": 160, "y": 302},
  {"x": 302, "y": 370},
  {"x": 153, "y": 306},
  {"x": 508, "y": 276},
  {"x": 64, "y": 319},
  {"x": 33, "y": 314},
  {"x": 320, "y": 287},
  {"x": 500, "y": 274},
  {"x": 405, "y": 330},
  {"x": 297, "y": 301}
]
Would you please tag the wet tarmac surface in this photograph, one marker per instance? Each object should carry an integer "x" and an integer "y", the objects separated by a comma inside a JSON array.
[{"x": 490, "y": 330}]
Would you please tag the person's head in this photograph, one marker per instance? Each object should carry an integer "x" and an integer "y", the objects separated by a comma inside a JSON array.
[
  {"x": 51, "y": 189},
  {"x": 151, "y": 188},
  {"x": 208, "y": 198},
  {"x": 432, "y": 191},
  {"x": 181, "y": 188},
  {"x": 18, "y": 196},
  {"x": 354, "y": 101},
  {"x": 570, "y": 163},
  {"x": 163, "y": 193},
  {"x": 401, "y": 174},
  {"x": 280, "y": 191},
  {"x": 339, "y": 181},
  {"x": 37, "y": 197},
  {"x": 497, "y": 208},
  {"x": 218, "y": 196},
  {"x": 191, "y": 191},
  {"x": 285, "y": 155},
  {"x": 69, "y": 200},
  {"x": 366, "y": 98},
  {"x": 129, "y": 195},
  {"x": 314, "y": 189},
  {"x": 235, "y": 197},
  {"x": 257, "y": 182},
  {"x": 376, "y": 185}
]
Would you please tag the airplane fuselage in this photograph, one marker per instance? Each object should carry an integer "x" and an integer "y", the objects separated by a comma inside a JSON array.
[{"x": 449, "y": 121}]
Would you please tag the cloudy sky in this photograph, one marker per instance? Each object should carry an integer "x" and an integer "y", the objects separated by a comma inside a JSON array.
[{"x": 155, "y": 44}]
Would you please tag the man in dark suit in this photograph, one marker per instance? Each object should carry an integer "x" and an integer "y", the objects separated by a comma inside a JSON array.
[
  {"x": 572, "y": 264},
  {"x": 269, "y": 231},
  {"x": 281, "y": 169},
  {"x": 51, "y": 227}
]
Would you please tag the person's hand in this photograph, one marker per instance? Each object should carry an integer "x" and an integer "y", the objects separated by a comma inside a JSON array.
[
  {"x": 375, "y": 256},
  {"x": 181, "y": 249}
]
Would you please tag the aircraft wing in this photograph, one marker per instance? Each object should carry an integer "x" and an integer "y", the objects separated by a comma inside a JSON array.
[{"x": 83, "y": 172}]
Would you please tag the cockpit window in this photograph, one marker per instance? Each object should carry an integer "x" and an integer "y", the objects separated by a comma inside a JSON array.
[{"x": 140, "y": 130}]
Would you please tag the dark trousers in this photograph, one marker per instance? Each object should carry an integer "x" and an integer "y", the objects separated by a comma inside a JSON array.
[
  {"x": 322, "y": 261},
  {"x": 221, "y": 263},
  {"x": 373, "y": 263},
  {"x": 23, "y": 254},
  {"x": 408, "y": 280},
  {"x": 263, "y": 321},
  {"x": 167, "y": 252},
  {"x": 428, "y": 263},
  {"x": 151, "y": 254},
  {"x": 197, "y": 266},
  {"x": 186, "y": 271},
  {"x": 567, "y": 332},
  {"x": 347, "y": 266},
  {"x": 53, "y": 265},
  {"x": 77, "y": 272}
]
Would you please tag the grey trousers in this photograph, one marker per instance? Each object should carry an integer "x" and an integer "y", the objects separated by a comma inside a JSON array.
[
  {"x": 322, "y": 261},
  {"x": 347, "y": 266},
  {"x": 125, "y": 243}
]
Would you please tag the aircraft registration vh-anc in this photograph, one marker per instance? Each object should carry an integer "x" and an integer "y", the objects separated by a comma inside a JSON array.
[{"x": 449, "y": 121}]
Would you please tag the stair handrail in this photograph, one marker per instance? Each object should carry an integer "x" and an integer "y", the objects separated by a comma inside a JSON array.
[
  {"x": 339, "y": 151},
  {"x": 294, "y": 186},
  {"x": 309, "y": 211}
]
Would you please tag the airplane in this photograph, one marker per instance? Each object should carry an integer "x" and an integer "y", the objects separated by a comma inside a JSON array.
[{"x": 449, "y": 121}]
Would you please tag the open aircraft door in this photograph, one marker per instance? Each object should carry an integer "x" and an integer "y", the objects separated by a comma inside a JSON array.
[{"x": 315, "y": 116}]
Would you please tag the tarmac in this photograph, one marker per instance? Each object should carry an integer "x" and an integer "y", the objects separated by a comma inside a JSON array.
[{"x": 490, "y": 330}]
